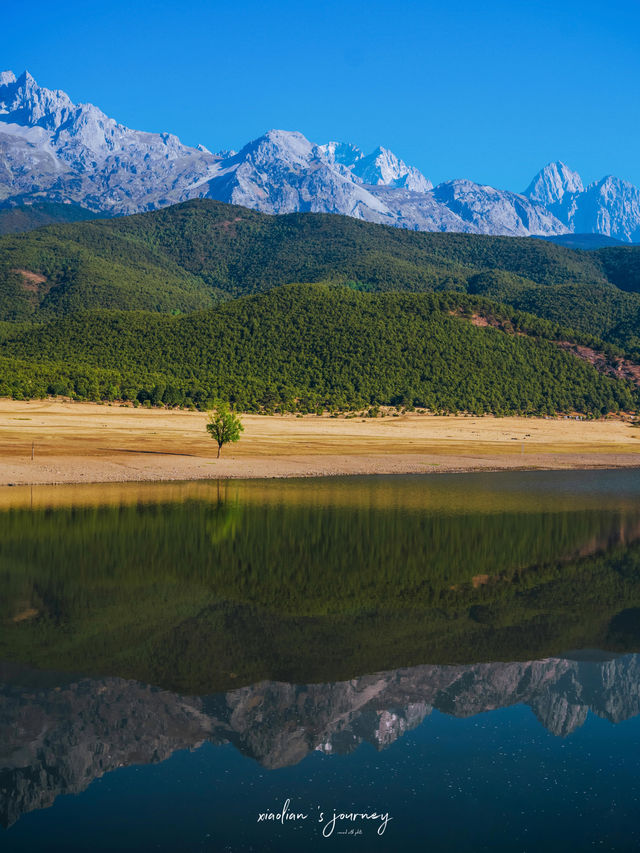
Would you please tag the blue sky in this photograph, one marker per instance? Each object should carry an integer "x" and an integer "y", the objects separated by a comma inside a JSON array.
[{"x": 486, "y": 90}]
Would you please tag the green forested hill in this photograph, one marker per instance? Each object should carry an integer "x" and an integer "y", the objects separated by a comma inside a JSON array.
[
  {"x": 309, "y": 347},
  {"x": 191, "y": 255},
  {"x": 194, "y": 302}
]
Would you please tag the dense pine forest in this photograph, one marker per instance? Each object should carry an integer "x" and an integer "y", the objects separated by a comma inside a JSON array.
[{"x": 307, "y": 312}]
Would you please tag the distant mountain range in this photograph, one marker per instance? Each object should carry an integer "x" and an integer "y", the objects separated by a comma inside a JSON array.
[{"x": 52, "y": 150}]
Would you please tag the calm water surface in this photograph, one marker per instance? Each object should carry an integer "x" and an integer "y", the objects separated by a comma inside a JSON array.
[{"x": 454, "y": 657}]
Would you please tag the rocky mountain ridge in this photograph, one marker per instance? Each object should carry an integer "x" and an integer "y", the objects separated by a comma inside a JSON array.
[
  {"x": 54, "y": 150},
  {"x": 610, "y": 206},
  {"x": 58, "y": 739}
]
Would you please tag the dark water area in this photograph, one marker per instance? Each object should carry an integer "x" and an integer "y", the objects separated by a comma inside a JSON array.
[{"x": 385, "y": 663}]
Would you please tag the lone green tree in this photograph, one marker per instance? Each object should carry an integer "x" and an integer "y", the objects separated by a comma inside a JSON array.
[{"x": 224, "y": 426}]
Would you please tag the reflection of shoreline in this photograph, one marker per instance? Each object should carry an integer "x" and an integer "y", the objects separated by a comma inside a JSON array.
[
  {"x": 495, "y": 491},
  {"x": 57, "y": 740}
]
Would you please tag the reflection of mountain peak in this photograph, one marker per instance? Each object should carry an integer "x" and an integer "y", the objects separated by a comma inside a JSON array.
[
  {"x": 57, "y": 740},
  {"x": 558, "y": 715}
]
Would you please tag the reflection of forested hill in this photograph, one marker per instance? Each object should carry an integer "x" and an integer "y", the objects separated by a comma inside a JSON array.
[
  {"x": 58, "y": 740},
  {"x": 298, "y": 591}
]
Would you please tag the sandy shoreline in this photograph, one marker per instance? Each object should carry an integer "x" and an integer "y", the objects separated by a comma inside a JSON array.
[{"x": 90, "y": 443}]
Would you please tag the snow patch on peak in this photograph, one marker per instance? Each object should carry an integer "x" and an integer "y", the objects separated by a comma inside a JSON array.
[
  {"x": 7, "y": 78},
  {"x": 343, "y": 153},
  {"x": 383, "y": 168}
]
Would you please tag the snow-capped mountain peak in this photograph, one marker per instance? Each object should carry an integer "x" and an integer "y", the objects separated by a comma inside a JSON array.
[
  {"x": 383, "y": 168},
  {"x": 63, "y": 151},
  {"x": 24, "y": 102},
  {"x": 609, "y": 206},
  {"x": 343, "y": 153},
  {"x": 552, "y": 183},
  {"x": 7, "y": 77},
  {"x": 290, "y": 147}
]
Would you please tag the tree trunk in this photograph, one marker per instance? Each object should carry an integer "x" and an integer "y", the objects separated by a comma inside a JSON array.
[{"x": 219, "y": 449}]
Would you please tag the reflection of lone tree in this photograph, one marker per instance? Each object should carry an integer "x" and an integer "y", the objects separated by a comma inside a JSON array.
[{"x": 224, "y": 426}]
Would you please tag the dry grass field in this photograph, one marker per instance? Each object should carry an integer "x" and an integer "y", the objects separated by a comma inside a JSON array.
[{"x": 86, "y": 442}]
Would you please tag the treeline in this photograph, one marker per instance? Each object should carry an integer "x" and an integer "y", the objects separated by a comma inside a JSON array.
[{"x": 309, "y": 348}]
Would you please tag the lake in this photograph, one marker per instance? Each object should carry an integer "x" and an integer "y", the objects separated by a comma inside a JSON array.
[{"x": 441, "y": 663}]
